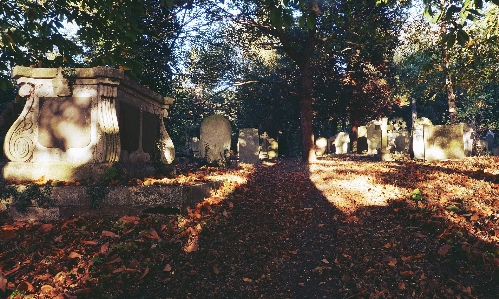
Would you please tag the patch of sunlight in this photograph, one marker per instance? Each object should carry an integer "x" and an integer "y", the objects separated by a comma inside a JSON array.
[
  {"x": 348, "y": 190},
  {"x": 268, "y": 163}
]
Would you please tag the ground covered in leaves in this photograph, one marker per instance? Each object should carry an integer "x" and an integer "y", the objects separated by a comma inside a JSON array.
[{"x": 339, "y": 228}]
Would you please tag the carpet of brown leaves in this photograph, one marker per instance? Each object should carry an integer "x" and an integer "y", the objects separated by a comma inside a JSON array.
[{"x": 338, "y": 228}]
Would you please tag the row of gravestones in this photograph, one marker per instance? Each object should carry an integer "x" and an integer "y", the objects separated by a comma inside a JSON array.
[
  {"x": 429, "y": 142},
  {"x": 214, "y": 142}
]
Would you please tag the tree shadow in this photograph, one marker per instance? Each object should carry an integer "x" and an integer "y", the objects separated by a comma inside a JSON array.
[{"x": 284, "y": 235}]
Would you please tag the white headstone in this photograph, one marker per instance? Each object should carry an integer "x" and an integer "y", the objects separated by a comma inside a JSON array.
[{"x": 215, "y": 134}]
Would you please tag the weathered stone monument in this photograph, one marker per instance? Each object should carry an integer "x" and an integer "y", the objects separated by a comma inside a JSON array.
[
  {"x": 444, "y": 142},
  {"x": 268, "y": 147},
  {"x": 398, "y": 136},
  {"x": 215, "y": 138},
  {"x": 77, "y": 121},
  {"x": 342, "y": 143},
  {"x": 321, "y": 146},
  {"x": 418, "y": 142},
  {"x": 248, "y": 146},
  {"x": 373, "y": 129}
]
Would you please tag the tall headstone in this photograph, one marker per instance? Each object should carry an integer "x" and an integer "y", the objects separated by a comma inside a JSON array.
[
  {"x": 418, "y": 141},
  {"x": 373, "y": 129},
  {"x": 248, "y": 146},
  {"x": 385, "y": 153},
  {"x": 215, "y": 138},
  {"x": 490, "y": 140}
]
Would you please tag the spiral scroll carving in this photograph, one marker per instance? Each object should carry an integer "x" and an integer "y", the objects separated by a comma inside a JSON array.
[{"x": 19, "y": 142}]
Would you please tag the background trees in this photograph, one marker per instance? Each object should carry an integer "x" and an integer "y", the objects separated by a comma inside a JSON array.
[{"x": 293, "y": 67}]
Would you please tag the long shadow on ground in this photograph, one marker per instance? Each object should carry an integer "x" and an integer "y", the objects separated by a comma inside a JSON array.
[{"x": 280, "y": 237}]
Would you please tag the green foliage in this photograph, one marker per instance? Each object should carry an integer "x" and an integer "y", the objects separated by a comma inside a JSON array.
[
  {"x": 97, "y": 193},
  {"x": 25, "y": 195},
  {"x": 452, "y": 208},
  {"x": 416, "y": 195}
]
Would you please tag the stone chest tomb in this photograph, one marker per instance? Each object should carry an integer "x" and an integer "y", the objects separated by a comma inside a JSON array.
[{"x": 76, "y": 122}]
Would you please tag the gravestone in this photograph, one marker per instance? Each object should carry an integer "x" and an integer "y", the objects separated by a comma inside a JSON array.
[
  {"x": 273, "y": 149},
  {"x": 362, "y": 140},
  {"x": 373, "y": 129},
  {"x": 342, "y": 143},
  {"x": 76, "y": 122},
  {"x": 444, "y": 142},
  {"x": 398, "y": 136},
  {"x": 195, "y": 147},
  {"x": 248, "y": 146},
  {"x": 468, "y": 140},
  {"x": 321, "y": 146},
  {"x": 215, "y": 138},
  {"x": 418, "y": 141},
  {"x": 331, "y": 148},
  {"x": 490, "y": 140}
]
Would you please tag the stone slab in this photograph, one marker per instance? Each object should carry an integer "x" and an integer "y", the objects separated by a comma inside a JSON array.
[{"x": 121, "y": 200}]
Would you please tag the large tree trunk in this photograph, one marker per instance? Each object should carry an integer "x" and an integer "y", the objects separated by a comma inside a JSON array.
[{"x": 306, "y": 112}]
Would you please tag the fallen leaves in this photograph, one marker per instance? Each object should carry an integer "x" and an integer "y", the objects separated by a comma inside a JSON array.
[{"x": 280, "y": 234}]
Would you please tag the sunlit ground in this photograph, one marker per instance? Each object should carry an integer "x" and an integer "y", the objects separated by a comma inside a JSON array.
[{"x": 350, "y": 185}]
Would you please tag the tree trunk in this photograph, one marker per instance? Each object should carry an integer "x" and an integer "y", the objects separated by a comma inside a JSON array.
[{"x": 306, "y": 112}]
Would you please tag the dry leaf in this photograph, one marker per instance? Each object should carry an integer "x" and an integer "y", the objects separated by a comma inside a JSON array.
[
  {"x": 475, "y": 217},
  {"x": 325, "y": 261},
  {"x": 58, "y": 239},
  {"x": 104, "y": 247},
  {"x": 46, "y": 227},
  {"x": 46, "y": 289},
  {"x": 215, "y": 270},
  {"x": 407, "y": 273},
  {"x": 145, "y": 273},
  {"x": 26, "y": 287},
  {"x": 3, "y": 283},
  {"x": 74, "y": 255},
  {"x": 120, "y": 269},
  {"x": 153, "y": 233},
  {"x": 245, "y": 279},
  {"x": 88, "y": 242},
  {"x": 109, "y": 234},
  {"x": 167, "y": 268},
  {"x": 444, "y": 249},
  {"x": 401, "y": 286}
]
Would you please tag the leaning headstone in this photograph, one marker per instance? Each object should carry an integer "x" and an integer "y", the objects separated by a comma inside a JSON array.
[
  {"x": 215, "y": 137},
  {"x": 321, "y": 146},
  {"x": 248, "y": 146},
  {"x": 444, "y": 142},
  {"x": 418, "y": 142},
  {"x": 264, "y": 145},
  {"x": 342, "y": 143},
  {"x": 76, "y": 122}
]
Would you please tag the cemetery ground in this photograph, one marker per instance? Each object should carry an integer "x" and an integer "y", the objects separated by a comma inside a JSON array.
[{"x": 346, "y": 227}]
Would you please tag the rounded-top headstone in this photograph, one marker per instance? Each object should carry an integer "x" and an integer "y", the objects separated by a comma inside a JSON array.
[{"x": 215, "y": 136}]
